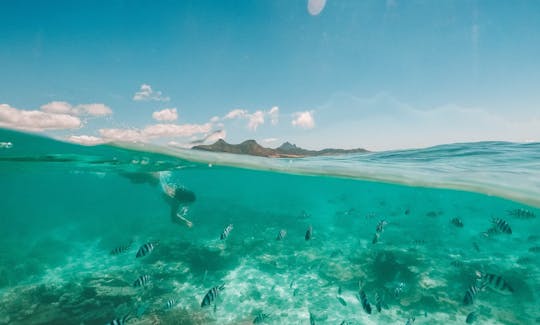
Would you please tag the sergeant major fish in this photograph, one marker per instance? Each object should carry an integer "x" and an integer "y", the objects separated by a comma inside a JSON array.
[
  {"x": 170, "y": 303},
  {"x": 141, "y": 281},
  {"x": 147, "y": 248},
  {"x": 120, "y": 321},
  {"x": 261, "y": 317},
  {"x": 380, "y": 226},
  {"x": 471, "y": 317},
  {"x": 501, "y": 225},
  {"x": 470, "y": 295},
  {"x": 282, "y": 233},
  {"x": 121, "y": 249},
  {"x": 364, "y": 301},
  {"x": 494, "y": 282},
  {"x": 211, "y": 295},
  {"x": 457, "y": 222},
  {"x": 226, "y": 232}
]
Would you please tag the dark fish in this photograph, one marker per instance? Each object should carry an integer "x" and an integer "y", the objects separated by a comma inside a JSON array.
[
  {"x": 534, "y": 249},
  {"x": 380, "y": 226},
  {"x": 282, "y": 233},
  {"x": 457, "y": 222},
  {"x": 494, "y": 282},
  {"x": 533, "y": 238},
  {"x": 470, "y": 295},
  {"x": 456, "y": 263},
  {"x": 342, "y": 301},
  {"x": 261, "y": 317},
  {"x": 522, "y": 213},
  {"x": 398, "y": 290},
  {"x": 410, "y": 320},
  {"x": 295, "y": 292},
  {"x": 378, "y": 302},
  {"x": 226, "y": 232},
  {"x": 311, "y": 319},
  {"x": 501, "y": 225},
  {"x": 471, "y": 317},
  {"x": 309, "y": 233},
  {"x": 211, "y": 295},
  {"x": 365, "y": 303},
  {"x": 339, "y": 291},
  {"x": 170, "y": 303},
  {"x": 141, "y": 281},
  {"x": 419, "y": 242},
  {"x": 120, "y": 321},
  {"x": 432, "y": 214},
  {"x": 147, "y": 248},
  {"x": 375, "y": 239},
  {"x": 476, "y": 246},
  {"x": 407, "y": 211},
  {"x": 121, "y": 249}
]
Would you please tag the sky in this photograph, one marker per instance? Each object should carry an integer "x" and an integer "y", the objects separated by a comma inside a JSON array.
[{"x": 376, "y": 74}]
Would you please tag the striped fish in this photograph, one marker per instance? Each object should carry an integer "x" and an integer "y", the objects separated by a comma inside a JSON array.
[
  {"x": 471, "y": 317},
  {"x": 521, "y": 213},
  {"x": 261, "y": 317},
  {"x": 470, "y": 295},
  {"x": 410, "y": 320},
  {"x": 501, "y": 225},
  {"x": 309, "y": 233},
  {"x": 379, "y": 302},
  {"x": 226, "y": 232},
  {"x": 534, "y": 249},
  {"x": 120, "y": 321},
  {"x": 494, "y": 282},
  {"x": 365, "y": 303},
  {"x": 375, "y": 239},
  {"x": 141, "y": 281},
  {"x": 311, "y": 319},
  {"x": 211, "y": 295},
  {"x": 380, "y": 226},
  {"x": 170, "y": 303},
  {"x": 147, "y": 248},
  {"x": 121, "y": 249},
  {"x": 282, "y": 233},
  {"x": 457, "y": 222}
]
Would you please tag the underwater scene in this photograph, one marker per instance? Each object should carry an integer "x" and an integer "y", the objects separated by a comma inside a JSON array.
[{"x": 117, "y": 234}]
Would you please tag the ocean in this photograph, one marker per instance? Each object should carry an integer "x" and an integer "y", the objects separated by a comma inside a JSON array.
[{"x": 442, "y": 235}]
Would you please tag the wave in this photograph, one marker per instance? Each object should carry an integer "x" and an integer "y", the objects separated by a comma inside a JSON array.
[{"x": 508, "y": 170}]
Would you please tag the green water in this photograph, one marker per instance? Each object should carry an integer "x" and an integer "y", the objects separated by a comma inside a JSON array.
[{"x": 64, "y": 208}]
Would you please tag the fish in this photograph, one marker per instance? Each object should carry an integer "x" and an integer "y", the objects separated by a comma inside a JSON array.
[
  {"x": 339, "y": 291},
  {"x": 501, "y": 225},
  {"x": 170, "y": 303},
  {"x": 309, "y": 233},
  {"x": 282, "y": 233},
  {"x": 407, "y": 211},
  {"x": 147, "y": 248},
  {"x": 342, "y": 301},
  {"x": 521, "y": 213},
  {"x": 398, "y": 290},
  {"x": 534, "y": 249},
  {"x": 141, "y": 281},
  {"x": 470, "y": 295},
  {"x": 476, "y": 246},
  {"x": 410, "y": 320},
  {"x": 121, "y": 249},
  {"x": 120, "y": 321},
  {"x": 457, "y": 222},
  {"x": 261, "y": 317},
  {"x": 375, "y": 239},
  {"x": 380, "y": 226},
  {"x": 311, "y": 319},
  {"x": 365, "y": 303},
  {"x": 226, "y": 232},
  {"x": 211, "y": 295},
  {"x": 471, "y": 317},
  {"x": 494, "y": 282},
  {"x": 379, "y": 302}
]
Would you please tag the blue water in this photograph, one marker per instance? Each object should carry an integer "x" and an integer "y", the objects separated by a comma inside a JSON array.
[{"x": 65, "y": 207}]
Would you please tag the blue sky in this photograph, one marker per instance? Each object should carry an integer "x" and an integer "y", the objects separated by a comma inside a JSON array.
[{"x": 375, "y": 74}]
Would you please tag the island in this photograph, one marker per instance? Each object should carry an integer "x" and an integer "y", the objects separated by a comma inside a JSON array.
[{"x": 286, "y": 150}]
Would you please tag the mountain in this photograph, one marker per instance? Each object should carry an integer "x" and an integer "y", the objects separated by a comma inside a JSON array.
[{"x": 286, "y": 150}]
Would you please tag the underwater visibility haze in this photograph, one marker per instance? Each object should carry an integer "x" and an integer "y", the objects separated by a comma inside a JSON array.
[{"x": 140, "y": 234}]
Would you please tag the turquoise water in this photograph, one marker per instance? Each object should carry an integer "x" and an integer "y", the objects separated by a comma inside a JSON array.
[{"x": 65, "y": 207}]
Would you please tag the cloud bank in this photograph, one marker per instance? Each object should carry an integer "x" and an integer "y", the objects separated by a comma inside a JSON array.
[{"x": 168, "y": 114}]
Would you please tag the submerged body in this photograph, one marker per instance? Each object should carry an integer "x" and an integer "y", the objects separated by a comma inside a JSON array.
[{"x": 56, "y": 260}]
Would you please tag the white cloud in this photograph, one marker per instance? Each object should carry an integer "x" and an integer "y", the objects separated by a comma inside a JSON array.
[
  {"x": 269, "y": 140},
  {"x": 85, "y": 140},
  {"x": 254, "y": 119},
  {"x": 220, "y": 134},
  {"x": 14, "y": 118},
  {"x": 146, "y": 93},
  {"x": 304, "y": 120},
  {"x": 274, "y": 115},
  {"x": 236, "y": 113},
  {"x": 94, "y": 109},
  {"x": 168, "y": 114},
  {"x": 155, "y": 131},
  {"x": 315, "y": 7}
]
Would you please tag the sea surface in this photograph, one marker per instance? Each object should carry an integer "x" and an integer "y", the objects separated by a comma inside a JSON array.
[{"x": 424, "y": 236}]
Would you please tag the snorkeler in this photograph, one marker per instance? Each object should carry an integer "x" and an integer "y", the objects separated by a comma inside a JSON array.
[{"x": 178, "y": 197}]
